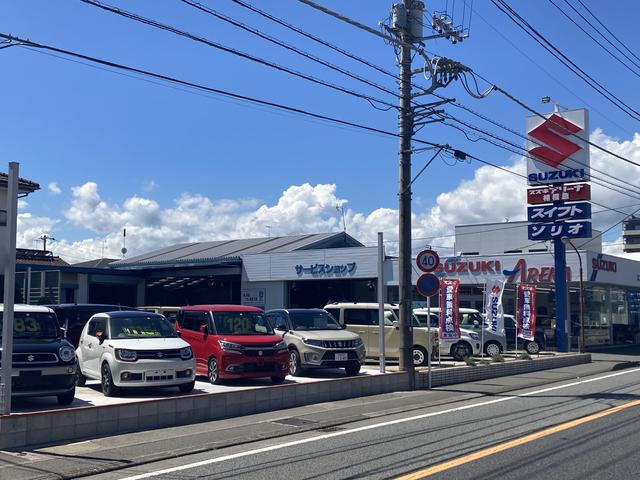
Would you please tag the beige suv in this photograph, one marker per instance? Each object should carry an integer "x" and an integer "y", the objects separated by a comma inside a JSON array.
[
  {"x": 316, "y": 340},
  {"x": 362, "y": 318}
]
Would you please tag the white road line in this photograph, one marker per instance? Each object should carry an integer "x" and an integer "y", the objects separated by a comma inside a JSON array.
[{"x": 370, "y": 427}]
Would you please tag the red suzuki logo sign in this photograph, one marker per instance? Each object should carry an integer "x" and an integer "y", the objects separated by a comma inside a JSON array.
[{"x": 558, "y": 148}]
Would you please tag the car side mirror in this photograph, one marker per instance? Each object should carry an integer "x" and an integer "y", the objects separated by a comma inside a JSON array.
[
  {"x": 178, "y": 333},
  {"x": 100, "y": 337},
  {"x": 63, "y": 332},
  {"x": 476, "y": 324},
  {"x": 395, "y": 325},
  {"x": 204, "y": 329}
]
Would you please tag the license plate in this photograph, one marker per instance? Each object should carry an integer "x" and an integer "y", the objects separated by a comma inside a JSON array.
[{"x": 341, "y": 357}]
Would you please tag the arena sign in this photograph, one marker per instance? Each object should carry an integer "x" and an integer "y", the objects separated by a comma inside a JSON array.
[{"x": 558, "y": 148}]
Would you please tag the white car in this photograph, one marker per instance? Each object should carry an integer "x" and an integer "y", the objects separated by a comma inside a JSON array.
[
  {"x": 134, "y": 349},
  {"x": 468, "y": 345}
]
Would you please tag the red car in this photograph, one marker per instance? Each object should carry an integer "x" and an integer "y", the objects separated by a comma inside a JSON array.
[{"x": 233, "y": 341}]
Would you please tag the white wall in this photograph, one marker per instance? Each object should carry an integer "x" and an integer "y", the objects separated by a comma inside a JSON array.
[{"x": 274, "y": 292}]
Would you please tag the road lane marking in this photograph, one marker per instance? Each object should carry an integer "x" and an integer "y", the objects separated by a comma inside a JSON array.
[
  {"x": 369, "y": 427},
  {"x": 472, "y": 457}
]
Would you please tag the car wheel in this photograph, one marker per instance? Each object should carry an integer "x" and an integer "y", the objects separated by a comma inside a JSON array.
[
  {"x": 532, "y": 348},
  {"x": 419, "y": 355},
  {"x": 213, "y": 372},
  {"x": 81, "y": 380},
  {"x": 461, "y": 351},
  {"x": 492, "y": 348},
  {"x": 187, "y": 387},
  {"x": 277, "y": 380},
  {"x": 108, "y": 387},
  {"x": 295, "y": 366},
  {"x": 67, "y": 398},
  {"x": 352, "y": 369}
]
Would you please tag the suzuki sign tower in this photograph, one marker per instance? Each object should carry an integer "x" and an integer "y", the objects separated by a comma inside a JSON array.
[{"x": 558, "y": 167}]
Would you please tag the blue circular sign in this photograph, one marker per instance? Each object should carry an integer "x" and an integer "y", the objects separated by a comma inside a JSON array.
[{"x": 428, "y": 284}]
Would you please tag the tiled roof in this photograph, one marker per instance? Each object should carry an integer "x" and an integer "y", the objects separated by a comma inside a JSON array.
[{"x": 25, "y": 186}]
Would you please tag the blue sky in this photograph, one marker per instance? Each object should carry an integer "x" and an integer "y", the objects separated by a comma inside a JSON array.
[{"x": 71, "y": 124}]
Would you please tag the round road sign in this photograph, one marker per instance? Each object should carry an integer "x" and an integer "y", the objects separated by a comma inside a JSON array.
[
  {"x": 428, "y": 260},
  {"x": 428, "y": 284}
]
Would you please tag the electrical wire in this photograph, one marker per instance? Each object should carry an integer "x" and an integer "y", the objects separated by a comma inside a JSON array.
[
  {"x": 289, "y": 47},
  {"x": 564, "y": 59},
  {"x": 247, "y": 56}
]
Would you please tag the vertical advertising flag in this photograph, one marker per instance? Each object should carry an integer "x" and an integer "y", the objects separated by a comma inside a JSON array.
[
  {"x": 449, "y": 310},
  {"x": 526, "y": 311},
  {"x": 493, "y": 305}
]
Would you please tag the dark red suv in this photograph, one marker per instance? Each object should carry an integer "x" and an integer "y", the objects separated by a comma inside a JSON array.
[{"x": 233, "y": 341}]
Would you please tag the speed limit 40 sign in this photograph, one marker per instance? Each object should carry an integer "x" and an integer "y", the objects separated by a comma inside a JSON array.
[{"x": 428, "y": 260}]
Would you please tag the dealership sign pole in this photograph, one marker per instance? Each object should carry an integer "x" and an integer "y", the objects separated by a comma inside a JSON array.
[
  {"x": 558, "y": 156},
  {"x": 381, "y": 287},
  {"x": 8, "y": 255}
]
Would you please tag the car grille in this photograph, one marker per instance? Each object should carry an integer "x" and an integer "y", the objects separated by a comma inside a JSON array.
[
  {"x": 255, "y": 351},
  {"x": 339, "y": 343},
  {"x": 34, "y": 358},
  {"x": 157, "y": 354}
]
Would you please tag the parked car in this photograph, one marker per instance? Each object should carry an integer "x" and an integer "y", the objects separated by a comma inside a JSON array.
[
  {"x": 316, "y": 340},
  {"x": 74, "y": 316},
  {"x": 362, "y": 319},
  {"x": 170, "y": 313},
  {"x": 233, "y": 341},
  {"x": 534, "y": 346},
  {"x": 127, "y": 349},
  {"x": 493, "y": 342},
  {"x": 44, "y": 363},
  {"x": 468, "y": 345}
]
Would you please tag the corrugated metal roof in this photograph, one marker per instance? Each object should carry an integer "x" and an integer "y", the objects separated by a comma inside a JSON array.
[{"x": 225, "y": 251}]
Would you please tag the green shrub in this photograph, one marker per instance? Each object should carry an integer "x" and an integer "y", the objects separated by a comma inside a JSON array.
[
  {"x": 470, "y": 361},
  {"x": 524, "y": 356},
  {"x": 497, "y": 358}
]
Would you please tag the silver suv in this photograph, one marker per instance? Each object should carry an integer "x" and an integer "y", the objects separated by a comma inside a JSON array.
[{"x": 316, "y": 340}]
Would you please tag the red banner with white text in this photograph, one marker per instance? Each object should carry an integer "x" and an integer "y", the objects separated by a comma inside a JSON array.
[
  {"x": 526, "y": 311},
  {"x": 449, "y": 310}
]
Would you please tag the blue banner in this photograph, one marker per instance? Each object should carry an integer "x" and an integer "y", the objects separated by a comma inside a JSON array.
[
  {"x": 552, "y": 231},
  {"x": 559, "y": 211}
]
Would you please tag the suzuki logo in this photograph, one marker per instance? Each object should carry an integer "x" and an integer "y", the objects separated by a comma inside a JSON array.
[
  {"x": 31, "y": 358},
  {"x": 552, "y": 132},
  {"x": 159, "y": 355},
  {"x": 495, "y": 289},
  {"x": 260, "y": 353}
]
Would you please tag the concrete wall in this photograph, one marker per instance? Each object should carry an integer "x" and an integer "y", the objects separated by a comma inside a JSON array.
[
  {"x": 449, "y": 376},
  {"x": 29, "y": 429}
]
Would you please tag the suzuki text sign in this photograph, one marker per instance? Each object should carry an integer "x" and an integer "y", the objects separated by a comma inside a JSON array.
[
  {"x": 559, "y": 211},
  {"x": 558, "y": 148},
  {"x": 559, "y": 193},
  {"x": 552, "y": 231}
]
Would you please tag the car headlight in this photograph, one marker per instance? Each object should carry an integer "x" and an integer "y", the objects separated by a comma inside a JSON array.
[
  {"x": 474, "y": 335},
  {"x": 66, "y": 353},
  {"x": 229, "y": 345},
  {"x": 357, "y": 342},
  {"x": 126, "y": 355},
  {"x": 312, "y": 342},
  {"x": 281, "y": 345},
  {"x": 186, "y": 353}
]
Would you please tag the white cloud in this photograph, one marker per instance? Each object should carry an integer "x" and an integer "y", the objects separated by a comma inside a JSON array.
[
  {"x": 54, "y": 188},
  {"x": 490, "y": 196}
]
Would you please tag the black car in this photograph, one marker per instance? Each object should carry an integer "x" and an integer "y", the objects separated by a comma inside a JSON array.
[
  {"x": 533, "y": 347},
  {"x": 74, "y": 316},
  {"x": 44, "y": 362}
]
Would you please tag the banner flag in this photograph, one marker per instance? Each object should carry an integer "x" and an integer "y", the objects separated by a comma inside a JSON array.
[
  {"x": 449, "y": 310},
  {"x": 526, "y": 321},
  {"x": 493, "y": 305}
]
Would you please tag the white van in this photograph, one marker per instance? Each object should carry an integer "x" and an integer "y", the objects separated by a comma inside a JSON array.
[{"x": 468, "y": 345}]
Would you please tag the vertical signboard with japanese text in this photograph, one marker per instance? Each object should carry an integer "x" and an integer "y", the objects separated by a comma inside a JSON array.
[
  {"x": 526, "y": 311},
  {"x": 449, "y": 310},
  {"x": 493, "y": 305}
]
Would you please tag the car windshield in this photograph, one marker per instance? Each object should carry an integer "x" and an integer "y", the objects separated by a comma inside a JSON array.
[
  {"x": 141, "y": 327},
  {"x": 241, "y": 323},
  {"x": 313, "y": 321},
  {"x": 33, "y": 325}
]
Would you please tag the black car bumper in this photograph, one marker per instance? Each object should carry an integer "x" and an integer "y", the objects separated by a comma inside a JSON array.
[{"x": 43, "y": 383}]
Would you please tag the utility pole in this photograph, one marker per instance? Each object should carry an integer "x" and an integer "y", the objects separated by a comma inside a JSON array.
[
  {"x": 44, "y": 239},
  {"x": 405, "y": 287}
]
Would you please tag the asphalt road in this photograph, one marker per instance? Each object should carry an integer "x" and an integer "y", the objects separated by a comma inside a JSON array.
[{"x": 397, "y": 445}]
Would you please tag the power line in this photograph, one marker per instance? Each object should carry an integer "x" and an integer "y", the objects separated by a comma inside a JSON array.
[
  {"x": 595, "y": 39},
  {"x": 289, "y": 47},
  {"x": 565, "y": 60},
  {"x": 247, "y": 56}
]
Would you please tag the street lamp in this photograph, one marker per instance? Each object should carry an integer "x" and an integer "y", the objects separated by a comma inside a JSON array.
[{"x": 567, "y": 241}]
